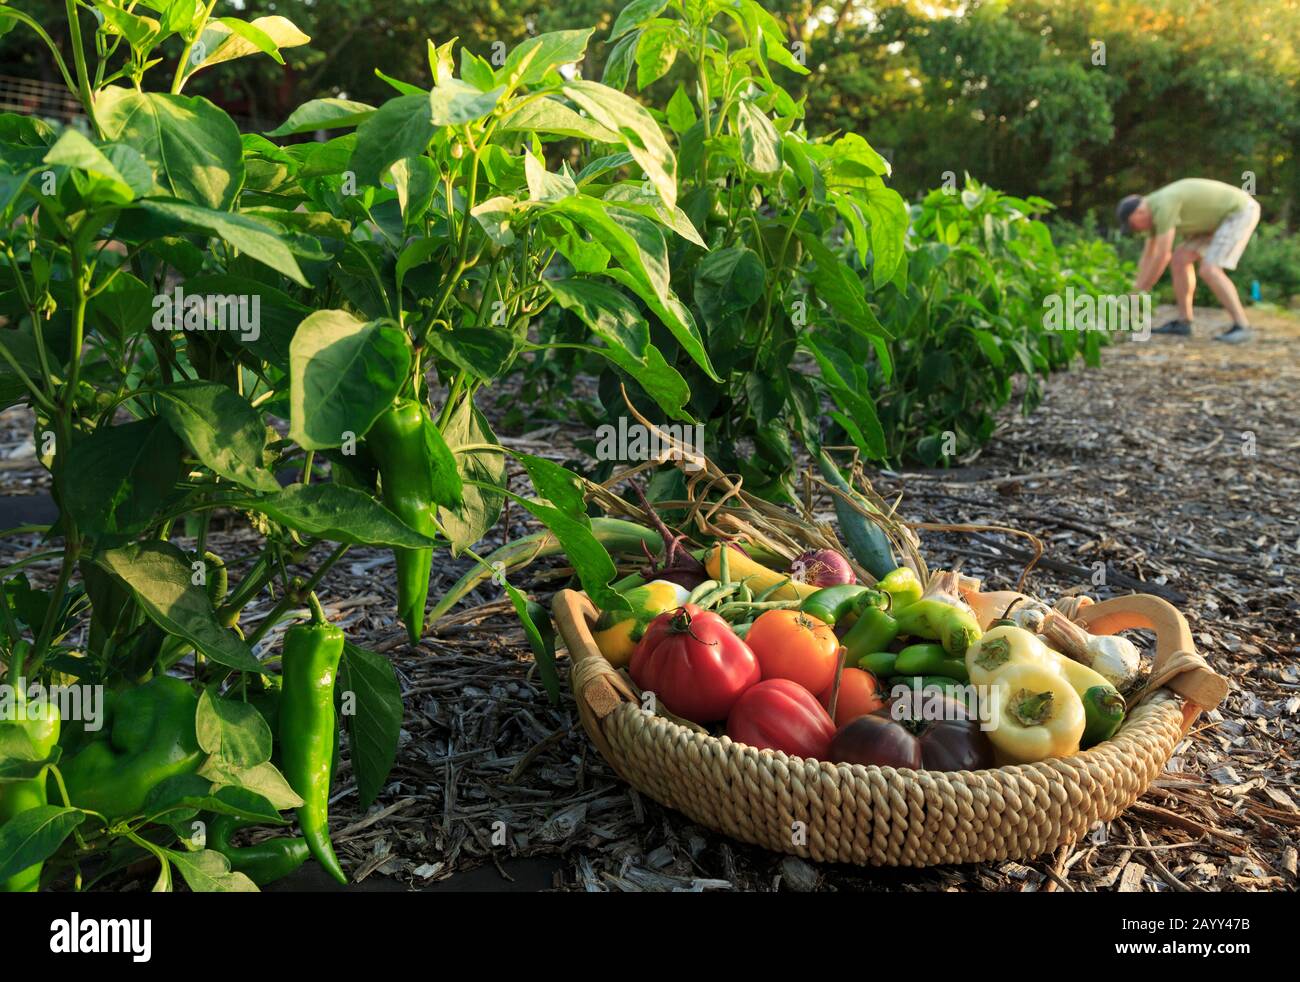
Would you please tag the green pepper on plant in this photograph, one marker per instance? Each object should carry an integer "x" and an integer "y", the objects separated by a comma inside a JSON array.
[
  {"x": 309, "y": 664},
  {"x": 39, "y": 727},
  {"x": 152, "y": 738},
  {"x": 397, "y": 441},
  {"x": 263, "y": 862}
]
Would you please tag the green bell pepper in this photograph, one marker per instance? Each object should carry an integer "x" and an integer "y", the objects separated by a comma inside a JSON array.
[{"x": 152, "y": 738}]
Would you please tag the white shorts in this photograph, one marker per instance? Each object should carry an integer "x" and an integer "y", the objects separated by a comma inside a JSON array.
[{"x": 1224, "y": 246}]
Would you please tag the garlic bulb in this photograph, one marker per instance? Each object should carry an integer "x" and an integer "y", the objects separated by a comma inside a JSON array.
[{"x": 1114, "y": 658}]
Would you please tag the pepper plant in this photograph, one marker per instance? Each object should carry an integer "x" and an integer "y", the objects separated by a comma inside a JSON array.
[
  {"x": 784, "y": 316},
  {"x": 172, "y": 293}
]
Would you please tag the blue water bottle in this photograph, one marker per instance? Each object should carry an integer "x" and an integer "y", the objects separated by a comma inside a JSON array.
[{"x": 1254, "y": 291}]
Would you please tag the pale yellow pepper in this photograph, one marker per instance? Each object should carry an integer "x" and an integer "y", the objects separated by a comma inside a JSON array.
[
  {"x": 1037, "y": 714},
  {"x": 1003, "y": 647}
]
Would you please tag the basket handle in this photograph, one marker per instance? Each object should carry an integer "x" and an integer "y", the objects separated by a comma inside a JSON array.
[
  {"x": 594, "y": 680},
  {"x": 1177, "y": 664}
]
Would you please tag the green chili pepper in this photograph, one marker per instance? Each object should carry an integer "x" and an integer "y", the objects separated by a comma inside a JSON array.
[
  {"x": 873, "y": 631},
  {"x": 881, "y": 664},
  {"x": 921, "y": 659},
  {"x": 309, "y": 663},
  {"x": 39, "y": 725},
  {"x": 902, "y": 585},
  {"x": 397, "y": 441},
  {"x": 833, "y": 603},
  {"x": 152, "y": 738},
  {"x": 264, "y": 862},
  {"x": 1103, "y": 709},
  {"x": 954, "y": 668},
  {"x": 934, "y": 620}
]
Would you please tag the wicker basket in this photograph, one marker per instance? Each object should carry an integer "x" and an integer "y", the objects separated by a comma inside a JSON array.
[{"x": 882, "y": 816}]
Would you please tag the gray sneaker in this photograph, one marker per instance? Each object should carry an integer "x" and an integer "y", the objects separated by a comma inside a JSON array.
[
  {"x": 1235, "y": 334},
  {"x": 1179, "y": 327}
]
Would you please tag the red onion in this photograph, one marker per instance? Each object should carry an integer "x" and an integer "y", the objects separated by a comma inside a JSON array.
[{"x": 821, "y": 567}]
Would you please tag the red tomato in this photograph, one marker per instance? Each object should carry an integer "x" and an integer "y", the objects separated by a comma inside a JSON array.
[
  {"x": 779, "y": 714},
  {"x": 796, "y": 646},
  {"x": 693, "y": 661},
  {"x": 858, "y": 696}
]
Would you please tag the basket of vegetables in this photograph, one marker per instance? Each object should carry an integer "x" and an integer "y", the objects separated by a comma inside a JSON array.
[{"x": 842, "y": 705}]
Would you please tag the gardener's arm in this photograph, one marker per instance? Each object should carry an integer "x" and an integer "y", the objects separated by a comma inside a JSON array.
[{"x": 1155, "y": 257}]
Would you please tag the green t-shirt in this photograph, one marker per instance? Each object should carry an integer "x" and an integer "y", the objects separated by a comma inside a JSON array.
[{"x": 1193, "y": 206}]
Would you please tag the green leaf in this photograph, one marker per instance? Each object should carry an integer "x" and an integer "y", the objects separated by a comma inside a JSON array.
[
  {"x": 448, "y": 489},
  {"x": 343, "y": 373},
  {"x": 609, "y": 315},
  {"x": 542, "y": 184},
  {"x": 681, "y": 112},
  {"x": 262, "y": 780},
  {"x": 618, "y": 65},
  {"x": 401, "y": 127},
  {"x": 324, "y": 114},
  {"x": 540, "y": 633},
  {"x": 636, "y": 242},
  {"x": 540, "y": 55},
  {"x": 590, "y": 561},
  {"x": 140, "y": 32},
  {"x": 224, "y": 431},
  {"x": 135, "y": 466},
  {"x": 33, "y": 836},
  {"x": 192, "y": 146},
  {"x": 760, "y": 146},
  {"x": 638, "y": 129},
  {"x": 634, "y": 15},
  {"x": 338, "y": 514},
  {"x": 483, "y": 352},
  {"x": 467, "y": 524},
  {"x": 255, "y": 238},
  {"x": 228, "y": 38},
  {"x": 376, "y": 726},
  {"x": 232, "y": 730},
  {"x": 550, "y": 116},
  {"x": 208, "y": 871},
  {"x": 124, "y": 307},
  {"x": 74, "y": 150},
  {"x": 454, "y": 103},
  {"x": 655, "y": 53},
  {"x": 159, "y": 575}
]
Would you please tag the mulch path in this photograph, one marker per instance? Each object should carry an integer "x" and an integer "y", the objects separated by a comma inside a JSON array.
[{"x": 1171, "y": 469}]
